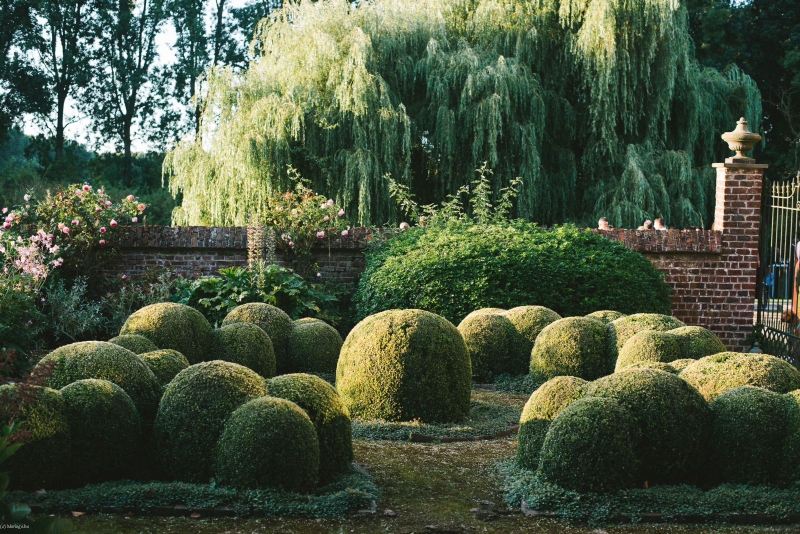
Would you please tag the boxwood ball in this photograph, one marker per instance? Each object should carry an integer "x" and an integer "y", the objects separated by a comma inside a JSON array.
[
  {"x": 172, "y": 326},
  {"x": 274, "y": 321},
  {"x": 716, "y": 374},
  {"x": 573, "y": 346}
]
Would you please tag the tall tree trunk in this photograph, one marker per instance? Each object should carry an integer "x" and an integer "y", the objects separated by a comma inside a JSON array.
[
  {"x": 127, "y": 121},
  {"x": 218, "y": 32},
  {"x": 62, "y": 98}
]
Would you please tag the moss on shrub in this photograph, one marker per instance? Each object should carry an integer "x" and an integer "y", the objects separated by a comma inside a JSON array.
[
  {"x": 104, "y": 361},
  {"x": 680, "y": 365},
  {"x": 672, "y": 416},
  {"x": 193, "y": 412},
  {"x": 43, "y": 461},
  {"x": 606, "y": 316},
  {"x": 245, "y": 344},
  {"x": 591, "y": 447},
  {"x": 274, "y": 321},
  {"x": 328, "y": 413},
  {"x": 106, "y": 431},
  {"x": 790, "y": 457},
  {"x": 268, "y": 442},
  {"x": 697, "y": 342},
  {"x": 494, "y": 345},
  {"x": 401, "y": 365},
  {"x": 649, "y": 346},
  {"x": 626, "y": 327},
  {"x": 172, "y": 326},
  {"x": 314, "y": 347},
  {"x": 165, "y": 364},
  {"x": 747, "y": 435},
  {"x": 542, "y": 407},
  {"x": 574, "y": 346},
  {"x": 716, "y": 374},
  {"x": 530, "y": 321},
  {"x": 134, "y": 343}
]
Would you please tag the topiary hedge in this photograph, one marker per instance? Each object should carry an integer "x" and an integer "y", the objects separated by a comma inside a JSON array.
[
  {"x": 106, "y": 431},
  {"x": 790, "y": 456},
  {"x": 529, "y": 322},
  {"x": 574, "y": 346},
  {"x": 401, "y": 365},
  {"x": 659, "y": 366},
  {"x": 314, "y": 347},
  {"x": 680, "y": 365},
  {"x": 134, "y": 343},
  {"x": 542, "y": 407},
  {"x": 245, "y": 344},
  {"x": 274, "y": 321},
  {"x": 606, "y": 316},
  {"x": 165, "y": 364},
  {"x": 624, "y": 328},
  {"x": 172, "y": 326},
  {"x": 649, "y": 346},
  {"x": 268, "y": 442},
  {"x": 192, "y": 415},
  {"x": 453, "y": 269},
  {"x": 713, "y": 375},
  {"x": 697, "y": 342},
  {"x": 328, "y": 413},
  {"x": 494, "y": 345}
]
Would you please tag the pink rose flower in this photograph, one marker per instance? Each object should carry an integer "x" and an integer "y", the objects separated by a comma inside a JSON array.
[
  {"x": 323, "y": 206},
  {"x": 141, "y": 207},
  {"x": 5, "y": 210},
  {"x": 330, "y": 202},
  {"x": 134, "y": 219},
  {"x": 113, "y": 223},
  {"x": 291, "y": 243},
  {"x": 79, "y": 192},
  {"x": 108, "y": 203},
  {"x": 320, "y": 234},
  {"x": 102, "y": 229},
  {"x": 26, "y": 198},
  {"x": 130, "y": 198},
  {"x": 25, "y": 214},
  {"x": 326, "y": 218},
  {"x": 280, "y": 208},
  {"x": 65, "y": 230},
  {"x": 344, "y": 233},
  {"x": 98, "y": 209},
  {"x": 75, "y": 222},
  {"x": 124, "y": 276},
  {"x": 341, "y": 213},
  {"x": 102, "y": 242},
  {"x": 6, "y": 225}
]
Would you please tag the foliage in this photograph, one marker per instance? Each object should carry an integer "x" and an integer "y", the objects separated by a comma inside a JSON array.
[
  {"x": 716, "y": 374},
  {"x": 626, "y": 327},
  {"x": 649, "y": 346},
  {"x": 697, "y": 342},
  {"x": 165, "y": 364},
  {"x": 134, "y": 343},
  {"x": 517, "y": 385},
  {"x": 494, "y": 346},
  {"x": 606, "y": 316},
  {"x": 68, "y": 313},
  {"x": 573, "y": 346},
  {"x": 271, "y": 320},
  {"x": 789, "y": 468},
  {"x": 314, "y": 346},
  {"x": 530, "y": 321},
  {"x": 245, "y": 344}
]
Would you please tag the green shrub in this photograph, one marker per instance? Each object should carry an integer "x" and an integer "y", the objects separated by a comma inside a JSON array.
[
  {"x": 494, "y": 346},
  {"x": 590, "y": 447},
  {"x": 680, "y": 365},
  {"x": 271, "y": 320},
  {"x": 104, "y": 361},
  {"x": 697, "y": 342},
  {"x": 458, "y": 267},
  {"x": 43, "y": 461},
  {"x": 193, "y": 412},
  {"x": 401, "y": 365},
  {"x": 673, "y": 419},
  {"x": 530, "y": 321},
  {"x": 660, "y": 366},
  {"x": 484, "y": 311},
  {"x": 268, "y": 442},
  {"x": 245, "y": 344},
  {"x": 106, "y": 431},
  {"x": 329, "y": 415},
  {"x": 790, "y": 459},
  {"x": 542, "y": 407},
  {"x": 314, "y": 347},
  {"x": 747, "y": 435},
  {"x": 626, "y": 327},
  {"x": 574, "y": 346},
  {"x": 172, "y": 326},
  {"x": 649, "y": 346},
  {"x": 716, "y": 374},
  {"x": 165, "y": 364},
  {"x": 606, "y": 316},
  {"x": 134, "y": 343}
]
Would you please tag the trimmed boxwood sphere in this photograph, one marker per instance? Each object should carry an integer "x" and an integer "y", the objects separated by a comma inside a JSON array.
[
  {"x": 574, "y": 346},
  {"x": 494, "y": 345},
  {"x": 606, "y": 316},
  {"x": 104, "y": 361},
  {"x": 680, "y": 365},
  {"x": 626, "y": 327},
  {"x": 790, "y": 460},
  {"x": 661, "y": 366},
  {"x": 329, "y": 415},
  {"x": 134, "y": 343},
  {"x": 314, "y": 347},
  {"x": 165, "y": 364},
  {"x": 193, "y": 412},
  {"x": 484, "y": 311},
  {"x": 43, "y": 461},
  {"x": 697, "y": 342},
  {"x": 245, "y": 344},
  {"x": 716, "y": 374},
  {"x": 172, "y": 326},
  {"x": 271, "y": 320},
  {"x": 747, "y": 435},
  {"x": 106, "y": 431},
  {"x": 401, "y": 365},
  {"x": 591, "y": 447},
  {"x": 649, "y": 346},
  {"x": 268, "y": 442},
  {"x": 530, "y": 321},
  {"x": 542, "y": 407},
  {"x": 673, "y": 418}
]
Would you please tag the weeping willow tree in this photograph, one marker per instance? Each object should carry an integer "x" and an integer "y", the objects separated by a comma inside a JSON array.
[{"x": 597, "y": 105}]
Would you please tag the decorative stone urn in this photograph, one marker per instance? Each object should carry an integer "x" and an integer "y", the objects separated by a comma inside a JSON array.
[{"x": 741, "y": 141}]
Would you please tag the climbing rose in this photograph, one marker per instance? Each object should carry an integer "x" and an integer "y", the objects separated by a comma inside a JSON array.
[
  {"x": 113, "y": 223},
  {"x": 330, "y": 202},
  {"x": 320, "y": 234},
  {"x": 341, "y": 213},
  {"x": 130, "y": 198},
  {"x": 134, "y": 219},
  {"x": 344, "y": 233},
  {"x": 102, "y": 229},
  {"x": 102, "y": 242}
]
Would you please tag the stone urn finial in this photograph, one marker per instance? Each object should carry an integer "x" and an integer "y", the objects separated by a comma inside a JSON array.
[{"x": 741, "y": 141}]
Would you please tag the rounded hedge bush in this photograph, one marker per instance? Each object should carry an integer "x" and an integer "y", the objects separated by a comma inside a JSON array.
[
  {"x": 660, "y": 366},
  {"x": 165, "y": 364},
  {"x": 494, "y": 346},
  {"x": 106, "y": 431},
  {"x": 245, "y": 344},
  {"x": 172, "y": 326},
  {"x": 697, "y": 342},
  {"x": 649, "y": 346},
  {"x": 484, "y": 311},
  {"x": 530, "y": 321},
  {"x": 747, "y": 435},
  {"x": 43, "y": 461},
  {"x": 672, "y": 416},
  {"x": 268, "y": 442},
  {"x": 542, "y": 407},
  {"x": 626, "y": 327},
  {"x": 134, "y": 343},
  {"x": 104, "y": 361},
  {"x": 402, "y": 365},
  {"x": 716, "y": 374},
  {"x": 790, "y": 459},
  {"x": 606, "y": 316},
  {"x": 680, "y": 365},
  {"x": 193, "y": 412},
  {"x": 271, "y": 320},
  {"x": 328, "y": 413},
  {"x": 591, "y": 447},
  {"x": 574, "y": 346},
  {"x": 314, "y": 347},
  {"x": 453, "y": 269}
]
